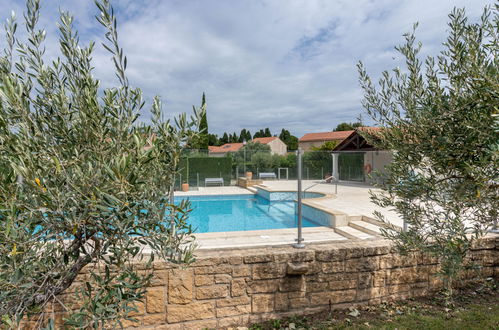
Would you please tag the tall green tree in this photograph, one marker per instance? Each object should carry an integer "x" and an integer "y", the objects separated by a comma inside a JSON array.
[
  {"x": 267, "y": 132},
  {"x": 291, "y": 141},
  {"x": 202, "y": 140},
  {"x": 439, "y": 116},
  {"x": 224, "y": 139},
  {"x": 80, "y": 182},
  {"x": 347, "y": 126},
  {"x": 245, "y": 135},
  {"x": 213, "y": 140}
]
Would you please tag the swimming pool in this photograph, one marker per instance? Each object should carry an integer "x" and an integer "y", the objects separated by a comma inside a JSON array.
[{"x": 241, "y": 213}]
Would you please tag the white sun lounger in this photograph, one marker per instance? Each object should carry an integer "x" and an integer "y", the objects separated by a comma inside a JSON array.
[
  {"x": 267, "y": 175},
  {"x": 213, "y": 181}
]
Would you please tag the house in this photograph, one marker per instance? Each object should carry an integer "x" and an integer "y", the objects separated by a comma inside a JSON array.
[
  {"x": 354, "y": 158},
  {"x": 309, "y": 140},
  {"x": 277, "y": 147},
  {"x": 221, "y": 151}
]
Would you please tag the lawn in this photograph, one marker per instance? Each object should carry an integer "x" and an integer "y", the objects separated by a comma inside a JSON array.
[{"x": 475, "y": 307}]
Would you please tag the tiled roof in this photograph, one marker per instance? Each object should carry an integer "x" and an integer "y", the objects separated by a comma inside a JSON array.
[
  {"x": 233, "y": 147},
  {"x": 325, "y": 136},
  {"x": 228, "y": 147},
  {"x": 264, "y": 140}
]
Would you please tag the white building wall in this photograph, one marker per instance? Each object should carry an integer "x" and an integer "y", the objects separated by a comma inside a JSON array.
[
  {"x": 278, "y": 147},
  {"x": 378, "y": 160}
]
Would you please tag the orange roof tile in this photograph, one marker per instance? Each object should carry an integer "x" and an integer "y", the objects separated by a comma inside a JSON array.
[
  {"x": 325, "y": 136},
  {"x": 264, "y": 140},
  {"x": 228, "y": 147}
]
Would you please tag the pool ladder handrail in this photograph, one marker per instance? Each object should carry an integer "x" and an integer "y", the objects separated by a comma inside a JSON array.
[
  {"x": 325, "y": 181},
  {"x": 315, "y": 184}
]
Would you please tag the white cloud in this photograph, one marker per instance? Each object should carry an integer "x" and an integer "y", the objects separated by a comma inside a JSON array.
[{"x": 262, "y": 63}]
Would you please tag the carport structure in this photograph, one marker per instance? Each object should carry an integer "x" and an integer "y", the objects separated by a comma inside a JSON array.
[{"x": 354, "y": 158}]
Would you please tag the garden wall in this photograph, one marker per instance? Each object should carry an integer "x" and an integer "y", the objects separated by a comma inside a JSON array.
[{"x": 240, "y": 287}]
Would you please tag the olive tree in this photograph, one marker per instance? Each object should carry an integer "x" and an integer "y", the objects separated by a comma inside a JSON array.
[
  {"x": 82, "y": 183},
  {"x": 438, "y": 117}
]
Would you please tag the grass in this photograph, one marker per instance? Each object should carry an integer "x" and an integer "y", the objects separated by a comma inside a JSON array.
[{"x": 475, "y": 307}]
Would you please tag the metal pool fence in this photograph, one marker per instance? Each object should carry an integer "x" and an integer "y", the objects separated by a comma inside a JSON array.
[{"x": 198, "y": 165}]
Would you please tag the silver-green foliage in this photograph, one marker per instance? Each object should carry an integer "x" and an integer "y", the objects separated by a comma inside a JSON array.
[
  {"x": 439, "y": 118},
  {"x": 81, "y": 182}
]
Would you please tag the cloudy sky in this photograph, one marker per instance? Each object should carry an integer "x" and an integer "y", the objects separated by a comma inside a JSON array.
[{"x": 262, "y": 63}]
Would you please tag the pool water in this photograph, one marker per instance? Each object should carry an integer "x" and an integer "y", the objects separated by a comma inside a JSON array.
[{"x": 240, "y": 213}]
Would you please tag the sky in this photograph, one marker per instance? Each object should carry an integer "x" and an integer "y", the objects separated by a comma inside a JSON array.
[{"x": 262, "y": 63}]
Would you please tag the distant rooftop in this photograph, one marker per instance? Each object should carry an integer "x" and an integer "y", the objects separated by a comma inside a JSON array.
[
  {"x": 233, "y": 147},
  {"x": 325, "y": 136}
]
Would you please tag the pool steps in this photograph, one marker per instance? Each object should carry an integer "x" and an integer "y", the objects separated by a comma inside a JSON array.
[
  {"x": 352, "y": 233},
  {"x": 365, "y": 227},
  {"x": 354, "y": 227}
]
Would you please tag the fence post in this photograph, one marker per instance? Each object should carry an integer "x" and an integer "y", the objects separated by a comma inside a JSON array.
[
  {"x": 299, "y": 239},
  {"x": 197, "y": 175}
]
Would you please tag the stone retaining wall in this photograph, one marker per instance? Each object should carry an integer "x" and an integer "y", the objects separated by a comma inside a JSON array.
[{"x": 241, "y": 287}]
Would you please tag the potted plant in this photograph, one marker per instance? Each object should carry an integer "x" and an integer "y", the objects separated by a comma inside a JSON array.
[
  {"x": 249, "y": 175},
  {"x": 185, "y": 186}
]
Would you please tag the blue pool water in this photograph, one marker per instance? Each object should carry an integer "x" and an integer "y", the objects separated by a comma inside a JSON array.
[{"x": 240, "y": 213}]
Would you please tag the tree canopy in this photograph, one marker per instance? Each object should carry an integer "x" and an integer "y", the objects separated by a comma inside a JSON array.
[
  {"x": 347, "y": 126},
  {"x": 81, "y": 182},
  {"x": 439, "y": 116}
]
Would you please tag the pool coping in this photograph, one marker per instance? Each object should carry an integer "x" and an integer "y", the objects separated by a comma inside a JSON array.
[{"x": 283, "y": 232}]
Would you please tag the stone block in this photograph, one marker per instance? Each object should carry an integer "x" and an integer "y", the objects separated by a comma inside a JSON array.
[
  {"x": 201, "y": 280},
  {"x": 218, "y": 269},
  {"x": 235, "y": 260},
  {"x": 379, "y": 278},
  {"x": 317, "y": 286},
  {"x": 190, "y": 312},
  {"x": 241, "y": 271},
  {"x": 222, "y": 278},
  {"x": 362, "y": 264},
  {"x": 334, "y": 297},
  {"x": 258, "y": 258},
  {"x": 343, "y": 284},
  {"x": 333, "y": 267},
  {"x": 211, "y": 292},
  {"x": 365, "y": 280},
  {"x": 370, "y": 293},
  {"x": 154, "y": 319},
  {"x": 234, "y": 321},
  {"x": 180, "y": 286},
  {"x": 159, "y": 278},
  {"x": 155, "y": 300},
  {"x": 140, "y": 309},
  {"x": 354, "y": 253},
  {"x": 330, "y": 255},
  {"x": 238, "y": 287},
  {"x": 296, "y": 268},
  {"x": 292, "y": 283},
  {"x": 296, "y": 303},
  {"x": 227, "y": 302},
  {"x": 281, "y": 301},
  {"x": 300, "y": 256},
  {"x": 263, "y": 286},
  {"x": 268, "y": 271},
  {"x": 233, "y": 310},
  {"x": 262, "y": 303}
]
